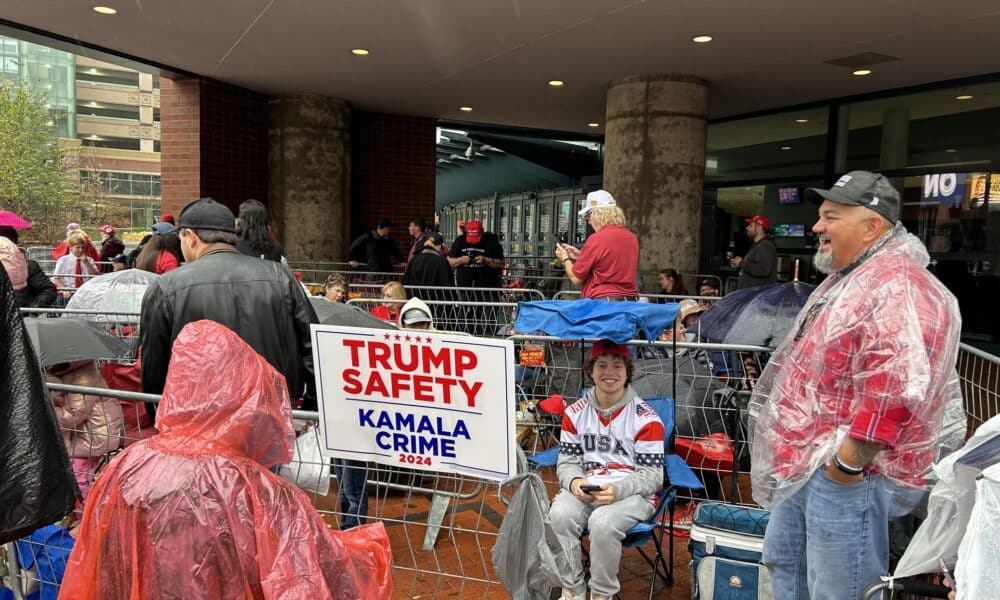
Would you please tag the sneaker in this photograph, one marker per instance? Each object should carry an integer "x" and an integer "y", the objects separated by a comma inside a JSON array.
[{"x": 568, "y": 594}]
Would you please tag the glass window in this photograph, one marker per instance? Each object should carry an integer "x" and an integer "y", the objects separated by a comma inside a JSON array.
[
  {"x": 950, "y": 126},
  {"x": 791, "y": 144}
]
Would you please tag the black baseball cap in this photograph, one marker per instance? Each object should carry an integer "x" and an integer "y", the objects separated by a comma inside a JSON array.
[
  {"x": 383, "y": 223},
  {"x": 862, "y": 188},
  {"x": 206, "y": 213}
]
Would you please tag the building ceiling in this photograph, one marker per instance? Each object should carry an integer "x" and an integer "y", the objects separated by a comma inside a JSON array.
[{"x": 429, "y": 57}]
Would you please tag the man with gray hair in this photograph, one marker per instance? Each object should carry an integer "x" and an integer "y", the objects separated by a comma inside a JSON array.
[
  {"x": 849, "y": 413},
  {"x": 607, "y": 265},
  {"x": 260, "y": 300}
]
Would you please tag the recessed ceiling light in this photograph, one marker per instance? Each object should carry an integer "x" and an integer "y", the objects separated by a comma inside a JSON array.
[
  {"x": 465, "y": 108},
  {"x": 360, "y": 52},
  {"x": 786, "y": 147},
  {"x": 862, "y": 72},
  {"x": 801, "y": 120},
  {"x": 593, "y": 124},
  {"x": 555, "y": 83},
  {"x": 963, "y": 97},
  {"x": 701, "y": 39},
  {"x": 105, "y": 10},
  {"x": 951, "y": 150}
]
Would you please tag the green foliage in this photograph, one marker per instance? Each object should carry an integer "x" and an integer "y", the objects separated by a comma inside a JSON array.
[{"x": 32, "y": 178}]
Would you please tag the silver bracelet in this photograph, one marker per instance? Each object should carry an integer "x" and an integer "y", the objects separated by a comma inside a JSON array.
[{"x": 847, "y": 469}]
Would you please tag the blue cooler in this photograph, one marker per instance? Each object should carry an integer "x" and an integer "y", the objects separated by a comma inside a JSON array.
[{"x": 726, "y": 546}]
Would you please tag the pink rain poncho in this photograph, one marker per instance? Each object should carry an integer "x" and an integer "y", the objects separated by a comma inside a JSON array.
[
  {"x": 194, "y": 513},
  {"x": 873, "y": 357}
]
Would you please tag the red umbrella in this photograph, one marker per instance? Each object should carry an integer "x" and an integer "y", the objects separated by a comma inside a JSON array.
[{"x": 12, "y": 220}]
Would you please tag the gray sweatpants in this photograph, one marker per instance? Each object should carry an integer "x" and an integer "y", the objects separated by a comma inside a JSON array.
[{"x": 607, "y": 524}]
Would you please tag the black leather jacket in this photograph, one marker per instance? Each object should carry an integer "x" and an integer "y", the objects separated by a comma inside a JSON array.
[{"x": 258, "y": 299}]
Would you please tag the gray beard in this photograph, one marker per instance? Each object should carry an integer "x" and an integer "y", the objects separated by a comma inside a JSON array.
[{"x": 823, "y": 262}]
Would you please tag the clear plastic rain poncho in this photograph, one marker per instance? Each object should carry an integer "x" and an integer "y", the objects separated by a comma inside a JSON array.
[
  {"x": 871, "y": 357},
  {"x": 194, "y": 513}
]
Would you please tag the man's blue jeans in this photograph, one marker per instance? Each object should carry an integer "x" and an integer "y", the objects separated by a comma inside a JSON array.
[
  {"x": 352, "y": 497},
  {"x": 829, "y": 540}
]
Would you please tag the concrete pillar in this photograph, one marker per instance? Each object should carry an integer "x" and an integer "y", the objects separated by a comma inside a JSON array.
[
  {"x": 654, "y": 164},
  {"x": 308, "y": 175},
  {"x": 895, "y": 137}
]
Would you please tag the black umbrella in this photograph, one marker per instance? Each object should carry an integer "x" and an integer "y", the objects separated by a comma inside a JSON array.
[
  {"x": 757, "y": 316},
  {"x": 337, "y": 313},
  {"x": 65, "y": 340}
]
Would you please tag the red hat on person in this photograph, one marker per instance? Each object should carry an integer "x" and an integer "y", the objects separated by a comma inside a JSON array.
[
  {"x": 760, "y": 220},
  {"x": 108, "y": 230},
  {"x": 168, "y": 218},
  {"x": 606, "y": 347},
  {"x": 473, "y": 231}
]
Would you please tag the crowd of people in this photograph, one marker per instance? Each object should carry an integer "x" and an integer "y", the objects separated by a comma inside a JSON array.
[{"x": 848, "y": 407}]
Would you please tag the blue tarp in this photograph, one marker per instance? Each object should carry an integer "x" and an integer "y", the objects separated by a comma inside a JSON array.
[{"x": 615, "y": 321}]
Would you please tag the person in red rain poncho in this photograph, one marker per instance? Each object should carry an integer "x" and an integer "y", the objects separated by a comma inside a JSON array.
[{"x": 194, "y": 513}]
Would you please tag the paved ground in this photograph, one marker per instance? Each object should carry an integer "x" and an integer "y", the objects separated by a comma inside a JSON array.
[{"x": 460, "y": 565}]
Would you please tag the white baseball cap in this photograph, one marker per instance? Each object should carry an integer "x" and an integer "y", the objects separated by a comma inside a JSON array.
[{"x": 598, "y": 199}]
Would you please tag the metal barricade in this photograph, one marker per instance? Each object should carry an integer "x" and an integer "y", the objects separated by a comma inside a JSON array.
[
  {"x": 711, "y": 384},
  {"x": 476, "y": 315},
  {"x": 979, "y": 373},
  {"x": 441, "y": 526},
  {"x": 652, "y": 298}
]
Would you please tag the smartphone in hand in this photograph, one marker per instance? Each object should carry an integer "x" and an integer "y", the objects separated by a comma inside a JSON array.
[{"x": 589, "y": 488}]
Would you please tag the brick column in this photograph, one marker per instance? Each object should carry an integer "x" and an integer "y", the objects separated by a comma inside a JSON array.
[
  {"x": 213, "y": 142},
  {"x": 180, "y": 142}
]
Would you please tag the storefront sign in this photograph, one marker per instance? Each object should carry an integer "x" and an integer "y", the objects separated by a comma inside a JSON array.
[
  {"x": 943, "y": 188},
  {"x": 419, "y": 399}
]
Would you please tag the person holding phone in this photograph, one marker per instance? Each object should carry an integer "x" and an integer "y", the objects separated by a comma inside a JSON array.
[{"x": 610, "y": 468}]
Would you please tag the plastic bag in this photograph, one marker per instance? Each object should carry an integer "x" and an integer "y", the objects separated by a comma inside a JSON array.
[
  {"x": 309, "y": 469},
  {"x": 976, "y": 572},
  {"x": 950, "y": 505}
]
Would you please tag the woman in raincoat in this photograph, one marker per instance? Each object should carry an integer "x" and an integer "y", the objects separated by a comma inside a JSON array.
[{"x": 194, "y": 512}]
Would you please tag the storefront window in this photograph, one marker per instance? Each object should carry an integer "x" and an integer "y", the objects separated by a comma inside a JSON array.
[{"x": 784, "y": 145}]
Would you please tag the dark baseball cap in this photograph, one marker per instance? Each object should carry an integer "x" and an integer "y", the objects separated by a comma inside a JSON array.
[
  {"x": 383, "y": 223},
  {"x": 862, "y": 188},
  {"x": 206, "y": 213}
]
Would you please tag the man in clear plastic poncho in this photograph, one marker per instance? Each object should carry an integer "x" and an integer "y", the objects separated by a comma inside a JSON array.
[
  {"x": 193, "y": 512},
  {"x": 851, "y": 405}
]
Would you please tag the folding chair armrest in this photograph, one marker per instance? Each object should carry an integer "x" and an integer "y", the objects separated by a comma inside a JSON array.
[{"x": 679, "y": 474}]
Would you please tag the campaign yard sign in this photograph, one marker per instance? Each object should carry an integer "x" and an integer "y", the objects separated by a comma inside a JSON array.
[{"x": 419, "y": 399}]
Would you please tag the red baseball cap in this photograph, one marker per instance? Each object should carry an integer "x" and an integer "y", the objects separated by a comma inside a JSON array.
[
  {"x": 473, "y": 232},
  {"x": 108, "y": 229},
  {"x": 760, "y": 220},
  {"x": 605, "y": 347},
  {"x": 167, "y": 217}
]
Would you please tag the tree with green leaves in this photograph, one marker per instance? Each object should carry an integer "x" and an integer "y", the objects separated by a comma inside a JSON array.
[{"x": 33, "y": 181}]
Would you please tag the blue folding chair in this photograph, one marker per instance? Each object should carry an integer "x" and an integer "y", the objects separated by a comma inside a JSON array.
[{"x": 677, "y": 475}]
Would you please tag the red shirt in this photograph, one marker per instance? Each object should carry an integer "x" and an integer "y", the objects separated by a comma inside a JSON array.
[
  {"x": 609, "y": 263},
  {"x": 166, "y": 262}
]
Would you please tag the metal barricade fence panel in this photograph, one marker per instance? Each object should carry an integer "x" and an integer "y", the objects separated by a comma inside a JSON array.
[
  {"x": 455, "y": 561},
  {"x": 475, "y": 315},
  {"x": 442, "y": 527},
  {"x": 979, "y": 374}
]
